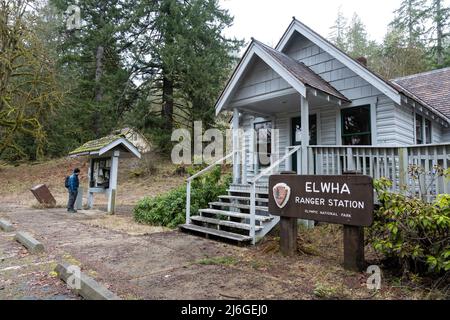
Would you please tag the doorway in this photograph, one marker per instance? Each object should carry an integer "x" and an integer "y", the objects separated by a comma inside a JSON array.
[{"x": 296, "y": 135}]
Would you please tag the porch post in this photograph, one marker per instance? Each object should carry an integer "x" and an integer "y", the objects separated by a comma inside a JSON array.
[
  {"x": 304, "y": 106},
  {"x": 236, "y": 156},
  {"x": 113, "y": 182},
  {"x": 90, "y": 195}
]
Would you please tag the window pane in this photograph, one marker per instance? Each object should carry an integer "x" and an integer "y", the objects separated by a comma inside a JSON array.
[
  {"x": 428, "y": 131},
  {"x": 297, "y": 135},
  {"x": 356, "y": 128},
  {"x": 264, "y": 142},
  {"x": 419, "y": 129},
  {"x": 355, "y": 140},
  {"x": 356, "y": 120}
]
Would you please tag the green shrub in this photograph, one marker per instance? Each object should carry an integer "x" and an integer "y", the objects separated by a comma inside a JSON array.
[
  {"x": 410, "y": 232},
  {"x": 170, "y": 209}
]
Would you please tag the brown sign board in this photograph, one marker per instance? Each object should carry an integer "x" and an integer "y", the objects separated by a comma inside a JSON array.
[
  {"x": 43, "y": 195},
  {"x": 344, "y": 199}
]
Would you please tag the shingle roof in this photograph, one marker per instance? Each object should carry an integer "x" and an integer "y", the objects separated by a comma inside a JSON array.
[
  {"x": 95, "y": 145},
  {"x": 302, "y": 72},
  {"x": 432, "y": 87}
]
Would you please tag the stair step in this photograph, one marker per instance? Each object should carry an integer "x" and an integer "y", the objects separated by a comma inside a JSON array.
[
  {"x": 237, "y": 205},
  {"x": 244, "y": 198},
  {"x": 236, "y": 214},
  {"x": 265, "y": 192},
  {"x": 218, "y": 233},
  {"x": 226, "y": 223}
]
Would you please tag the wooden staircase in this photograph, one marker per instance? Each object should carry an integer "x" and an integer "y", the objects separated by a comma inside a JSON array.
[{"x": 229, "y": 217}]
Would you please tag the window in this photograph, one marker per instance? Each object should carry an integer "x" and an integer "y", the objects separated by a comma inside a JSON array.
[
  {"x": 263, "y": 142},
  {"x": 423, "y": 130},
  {"x": 297, "y": 130},
  {"x": 419, "y": 129},
  {"x": 427, "y": 131},
  {"x": 356, "y": 128}
]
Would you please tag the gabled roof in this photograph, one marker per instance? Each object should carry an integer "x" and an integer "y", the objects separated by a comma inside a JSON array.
[
  {"x": 103, "y": 145},
  {"x": 431, "y": 88},
  {"x": 294, "y": 73},
  {"x": 303, "y": 73},
  {"x": 389, "y": 88}
]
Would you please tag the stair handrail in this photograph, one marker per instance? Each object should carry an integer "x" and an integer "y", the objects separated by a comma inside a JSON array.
[
  {"x": 198, "y": 174},
  {"x": 252, "y": 183},
  {"x": 266, "y": 171}
]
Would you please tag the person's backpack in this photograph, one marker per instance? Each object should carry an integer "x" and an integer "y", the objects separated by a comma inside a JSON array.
[{"x": 66, "y": 182}]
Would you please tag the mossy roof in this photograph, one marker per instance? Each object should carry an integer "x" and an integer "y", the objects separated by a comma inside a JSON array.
[{"x": 96, "y": 145}]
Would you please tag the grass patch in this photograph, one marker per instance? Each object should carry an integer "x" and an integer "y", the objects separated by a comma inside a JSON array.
[
  {"x": 329, "y": 292},
  {"x": 226, "y": 261}
]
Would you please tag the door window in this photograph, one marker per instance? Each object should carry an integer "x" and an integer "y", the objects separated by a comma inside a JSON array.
[{"x": 263, "y": 142}]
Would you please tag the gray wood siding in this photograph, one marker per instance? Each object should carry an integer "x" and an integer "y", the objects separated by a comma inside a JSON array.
[
  {"x": 330, "y": 69},
  {"x": 327, "y": 126},
  {"x": 446, "y": 135},
  {"x": 436, "y": 133},
  {"x": 404, "y": 126},
  {"x": 259, "y": 79},
  {"x": 385, "y": 122}
]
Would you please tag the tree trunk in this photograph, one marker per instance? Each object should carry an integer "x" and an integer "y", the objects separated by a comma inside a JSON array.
[
  {"x": 98, "y": 89},
  {"x": 168, "y": 102}
]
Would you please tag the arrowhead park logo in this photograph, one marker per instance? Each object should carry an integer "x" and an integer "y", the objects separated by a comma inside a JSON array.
[{"x": 281, "y": 194}]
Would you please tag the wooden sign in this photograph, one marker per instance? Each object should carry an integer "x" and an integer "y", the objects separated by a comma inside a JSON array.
[
  {"x": 43, "y": 195},
  {"x": 346, "y": 199}
]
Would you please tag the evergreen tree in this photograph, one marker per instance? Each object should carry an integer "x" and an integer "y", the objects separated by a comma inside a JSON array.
[
  {"x": 396, "y": 58},
  {"x": 439, "y": 14},
  {"x": 409, "y": 18},
  {"x": 357, "y": 40},
  {"x": 183, "y": 59},
  {"x": 91, "y": 60},
  {"x": 338, "y": 31}
]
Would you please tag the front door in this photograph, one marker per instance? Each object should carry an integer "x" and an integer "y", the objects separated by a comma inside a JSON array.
[{"x": 296, "y": 130}]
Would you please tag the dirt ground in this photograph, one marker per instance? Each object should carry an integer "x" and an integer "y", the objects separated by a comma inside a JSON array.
[{"x": 144, "y": 262}]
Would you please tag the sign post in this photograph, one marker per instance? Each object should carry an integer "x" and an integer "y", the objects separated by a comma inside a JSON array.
[
  {"x": 288, "y": 231},
  {"x": 345, "y": 199},
  {"x": 353, "y": 244}
]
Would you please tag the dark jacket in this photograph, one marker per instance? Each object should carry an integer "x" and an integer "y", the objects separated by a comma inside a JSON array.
[{"x": 74, "y": 183}]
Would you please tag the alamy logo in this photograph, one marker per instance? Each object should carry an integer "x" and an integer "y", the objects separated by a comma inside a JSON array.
[
  {"x": 374, "y": 280},
  {"x": 281, "y": 194}
]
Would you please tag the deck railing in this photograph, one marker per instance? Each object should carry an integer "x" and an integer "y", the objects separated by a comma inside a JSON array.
[{"x": 392, "y": 162}]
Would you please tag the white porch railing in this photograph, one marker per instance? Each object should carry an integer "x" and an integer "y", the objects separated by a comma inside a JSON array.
[
  {"x": 198, "y": 174},
  {"x": 392, "y": 162}
]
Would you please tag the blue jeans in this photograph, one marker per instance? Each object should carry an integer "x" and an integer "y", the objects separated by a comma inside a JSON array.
[{"x": 72, "y": 198}]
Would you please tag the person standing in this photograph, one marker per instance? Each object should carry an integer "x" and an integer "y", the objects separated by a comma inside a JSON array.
[{"x": 72, "y": 186}]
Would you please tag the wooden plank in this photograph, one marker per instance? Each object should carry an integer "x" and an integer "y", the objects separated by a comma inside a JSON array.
[
  {"x": 288, "y": 236},
  {"x": 6, "y": 225},
  {"x": 225, "y": 223},
  {"x": 445, "y": 165},
  {"x": 258, "y": 191},
  {"x": 236, "y": 214},
  {"x": 353, "y": 248},
  {"x": 29, "y": 242},
  {"x": 243, "y": 198},
  {"x": 237, "y": 205},
  {"x": 218, "y": 233}
]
